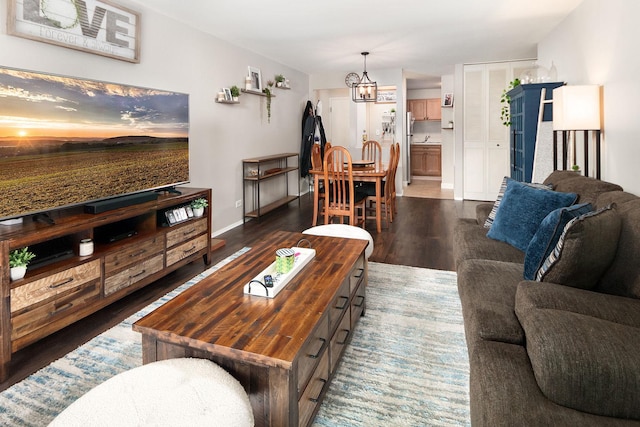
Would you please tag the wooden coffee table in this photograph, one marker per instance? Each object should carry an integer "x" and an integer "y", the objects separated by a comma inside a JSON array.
[{"x": 285, "y": 350}]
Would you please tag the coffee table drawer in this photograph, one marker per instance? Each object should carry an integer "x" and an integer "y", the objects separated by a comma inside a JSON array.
[
  {"x": 357, "y": 274},
  {"x": 310, "y": 399},
  {"x": 358, "y": 304},
  {"x": 339, "y": 341},
  {"x": 312, "y": 352},
  {"x": 339, "y": 305}
]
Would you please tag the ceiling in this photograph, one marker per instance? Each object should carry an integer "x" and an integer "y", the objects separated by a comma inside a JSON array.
[{"x": 426, "y": 38}]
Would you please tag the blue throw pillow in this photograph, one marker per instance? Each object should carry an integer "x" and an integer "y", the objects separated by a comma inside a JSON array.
[
  {"x": 503, "y": 188},
  {"x": 547, "y": 236},
  {"x": 522, "y": 210}
]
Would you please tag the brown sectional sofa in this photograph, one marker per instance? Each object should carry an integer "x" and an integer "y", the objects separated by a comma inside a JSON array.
[{"x": 547, "y": 354}]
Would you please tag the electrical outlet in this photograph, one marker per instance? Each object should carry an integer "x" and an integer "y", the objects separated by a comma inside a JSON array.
[
  {"x": 238, "y": 203},
  {"x": 377, "y": 132}
]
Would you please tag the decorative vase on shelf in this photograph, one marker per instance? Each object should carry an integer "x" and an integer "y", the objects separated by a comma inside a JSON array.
[
  {"x": 197, "y": 212},
  {"x": 18, "y": 273}
]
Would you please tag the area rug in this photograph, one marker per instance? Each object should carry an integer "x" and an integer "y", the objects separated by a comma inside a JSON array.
[{"x": 406, "y": 364}]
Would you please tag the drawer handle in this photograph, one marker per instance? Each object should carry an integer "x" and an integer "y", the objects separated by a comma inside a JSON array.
[
  {"x": 193, "y": 248},
  {"x": 360, "y": 303},
  {"x": 345, "y": 301},
  {"x": 140, "y": 252},
  {"x": 62, "y": 308},
  {"x": 137, "y": 275},
  {"x": 186, "y": 233},
  {"x": 316, "y": 399},
  {"x": 361, "y": 272},
  {"x": 64, "y": 282},
  {"x": 346, "y": 337},
  {"x": 315, "y": 356}
]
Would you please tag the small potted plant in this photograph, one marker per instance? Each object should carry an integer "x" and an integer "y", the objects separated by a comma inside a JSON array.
[
  {"x": 18, "y": 261},
  {"x": 279, "y": 80},
  {"x": 235, "y": 92},
  {"x": 198, "y": 206}
]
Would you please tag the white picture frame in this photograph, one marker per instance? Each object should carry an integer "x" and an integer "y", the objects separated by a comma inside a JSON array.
[
  {"x": 227, "y": 94},
  {"x": 447, "y": 100},
  {"x": 256, "y": 79}
]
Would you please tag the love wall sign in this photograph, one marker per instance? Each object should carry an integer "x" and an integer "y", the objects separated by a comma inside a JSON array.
[{"x": 94, "y": 26}]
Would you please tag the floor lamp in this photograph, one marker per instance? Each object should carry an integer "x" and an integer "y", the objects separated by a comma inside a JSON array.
[{"x": 576, "y": 108}]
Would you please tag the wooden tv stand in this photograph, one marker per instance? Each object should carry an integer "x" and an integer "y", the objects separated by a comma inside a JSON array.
[{"x": 58, "y": 294}]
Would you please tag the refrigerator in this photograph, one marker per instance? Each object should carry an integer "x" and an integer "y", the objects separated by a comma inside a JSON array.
[{"x": 407, "y": 160}]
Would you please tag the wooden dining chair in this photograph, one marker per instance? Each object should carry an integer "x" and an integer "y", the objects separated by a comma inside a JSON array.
[
  {"x": 372, "y": 150},
  {"x": 388, "y": 186},
  {"x": 340, "y": 198},
  {"x": 316, "y": 163},
  {"x": 395, "y": 168}
]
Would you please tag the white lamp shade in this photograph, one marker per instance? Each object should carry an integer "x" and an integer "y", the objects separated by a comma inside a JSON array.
[{"x": 576, "y": 108}]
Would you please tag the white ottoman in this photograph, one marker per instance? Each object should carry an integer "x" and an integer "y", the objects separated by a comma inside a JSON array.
[
  {"x": 343, "y": 230},
  {"x": 174, "y": 392}
]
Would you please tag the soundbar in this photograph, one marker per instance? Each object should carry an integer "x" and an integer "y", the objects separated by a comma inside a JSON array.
[{"x": 120, "y": 202}]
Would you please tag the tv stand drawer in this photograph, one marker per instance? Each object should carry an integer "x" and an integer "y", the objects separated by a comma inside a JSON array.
[
  {"x": 41, "y": 290},
  {"x": 133, "y": 274}
]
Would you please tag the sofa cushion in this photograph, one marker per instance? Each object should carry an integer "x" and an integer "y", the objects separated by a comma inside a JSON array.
[
  {"x": 547, "y": 236},
  {"x": 470, "y": 241},
  {"x": 585, "y": 250},
  {"x": 487, "y": 291},
  {"x": 503, "y": 187},
  {"x": 521, "y": 211},
  {"x": 584, "y": 363}
]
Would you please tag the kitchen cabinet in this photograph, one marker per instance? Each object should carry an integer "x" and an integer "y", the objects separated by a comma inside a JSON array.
[
  {"x": 425, "y": 109},
  {"x": 426, "y": 160},
  {"x": 434, "y": 111},
  {"x": 418, "y": 108}
]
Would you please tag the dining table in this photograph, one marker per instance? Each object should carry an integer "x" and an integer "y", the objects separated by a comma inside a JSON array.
[{"x": 361, "y": 173}]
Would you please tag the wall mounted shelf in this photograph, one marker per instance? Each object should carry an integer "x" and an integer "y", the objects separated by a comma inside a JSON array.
[
  {"x": 255, "y": 92},
  {"x": 227, "y": 102}
]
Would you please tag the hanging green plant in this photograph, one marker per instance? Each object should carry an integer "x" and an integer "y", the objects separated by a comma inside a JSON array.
[
  {"x": 505, "y": 100},
  {"x": 267, "y": 91}
]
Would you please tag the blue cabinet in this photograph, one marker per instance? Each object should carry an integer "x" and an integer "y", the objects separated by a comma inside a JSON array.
[{"x": 524, "y": 108}]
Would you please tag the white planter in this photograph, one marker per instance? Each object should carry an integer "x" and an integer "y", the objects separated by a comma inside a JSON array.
[
  {"x": 18, "y": 272},
  {"x": 235, "y": 99},
  {"x": 198, "y": 211}
]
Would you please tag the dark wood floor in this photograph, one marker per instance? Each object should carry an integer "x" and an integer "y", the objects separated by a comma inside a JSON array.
[{"x": 421, "y": 236}]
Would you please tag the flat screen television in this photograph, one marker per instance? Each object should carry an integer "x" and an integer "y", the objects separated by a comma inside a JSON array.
[{"x": 66, "y": 141}]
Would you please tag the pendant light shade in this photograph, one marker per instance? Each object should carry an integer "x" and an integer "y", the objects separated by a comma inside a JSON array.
[{"x": 366, "y": 90}]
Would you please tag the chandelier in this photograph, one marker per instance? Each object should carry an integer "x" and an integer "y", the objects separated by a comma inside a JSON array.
[{"x": 365, "y": 90}]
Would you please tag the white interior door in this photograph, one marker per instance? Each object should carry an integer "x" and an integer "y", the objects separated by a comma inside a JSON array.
[{"x": 338, "y": 134}]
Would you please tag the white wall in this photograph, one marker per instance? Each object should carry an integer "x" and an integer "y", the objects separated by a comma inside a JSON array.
[
  {"x": 177, "y": 58},
  {"x": 596, "y": 44}
]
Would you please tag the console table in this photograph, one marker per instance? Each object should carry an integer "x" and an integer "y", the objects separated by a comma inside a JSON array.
[
  {"x": 69, "y": 288},
  {"x": 284, "y": 351},
  {"x": 259, "y": 169}
]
